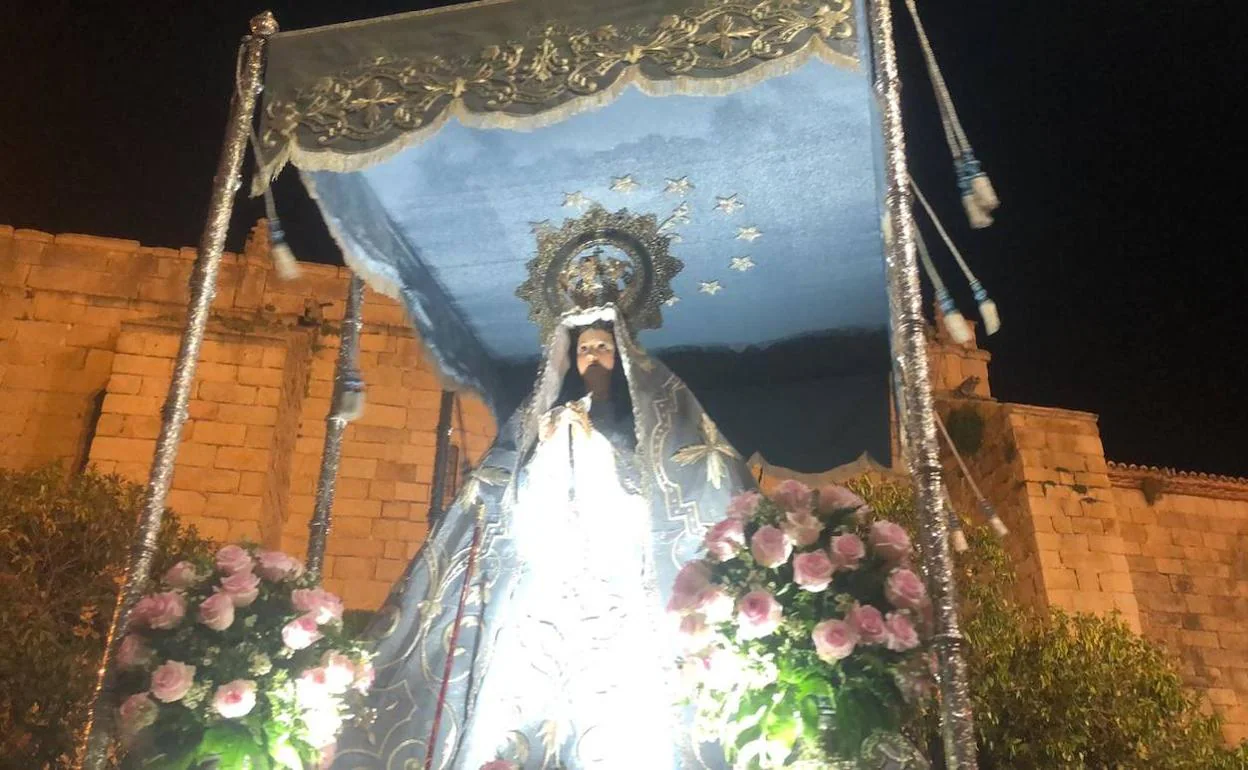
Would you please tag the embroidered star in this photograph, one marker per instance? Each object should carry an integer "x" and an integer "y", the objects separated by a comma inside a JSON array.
[
  {"x": 713, "y": 451},
  {"x": 729, "y": 205},
  {"x": 750, "y": 233},
  {"x": 624, "y": 184},
  {"x": 741, "y": 264},
  {"x": 671, "y": 301},
  {"x": 679, "y": 216},
  {"x": 576, "y": 200},
  {"x": 710, "y": 287},
  {"x": 680, "y": 186}
]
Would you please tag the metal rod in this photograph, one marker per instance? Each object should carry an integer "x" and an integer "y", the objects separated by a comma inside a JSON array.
[
  {"x": 910, "y": 354},
  {"x": 203, "y": 287},
  {"x": 335, "y": 426},
  {"x": 441, "y": 457}
]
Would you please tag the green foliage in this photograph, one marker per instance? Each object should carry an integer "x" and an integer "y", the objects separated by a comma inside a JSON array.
[
  {"x": 64, "y": 540},
  {"x": 1065, "y": 691}
]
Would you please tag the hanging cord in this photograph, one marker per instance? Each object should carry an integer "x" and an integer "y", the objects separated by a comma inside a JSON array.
[
  {"x": 957, "y": 539},
  {"x": 469, "y": 573},
  {"x": 979, "y": 199},
  {"x": 955, "y": 324},
  {"x": 987, "y": 308},
  {"x": 985, "y": 507}
]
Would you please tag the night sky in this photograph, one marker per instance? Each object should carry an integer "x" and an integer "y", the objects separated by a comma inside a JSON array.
[{"x": 1114, "y": 133}]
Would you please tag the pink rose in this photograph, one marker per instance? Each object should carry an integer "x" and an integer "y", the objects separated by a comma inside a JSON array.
[
  {"x": 694, "y": 632},
  {"x": 133, "y": 652},
  {"x": 241, "y": 587},
  {"x": 691, "y": 581},
  {"x": 500, "y": 764},
  {"x": 323, "y": 726},
  {"x": 770, "y": 547},
  {"x": 318, "y": 602},
  {"x": 833, "y": 498},
  {"x": 181, "y": 575},
  {"x": 276, "y": 566},
  {"x": 233, "y": 559},
  {"x": 834, "y": 640},
  {"x": 802, "y": 527},
  {"x": 217, "y": 611},
  {"x": 301, "y": 632},
  {"x": 716, "y": 605},
  {"x": 812, "y": 571},
  {"x": 137, "y": 711},
  {"x": 726, "y": 539},
  {"x": 160, "y": 611},
  {"x": 744, "y": 505},
  {"x": 758, "y": 614},
  {"x": 235, "y": 699},
  {"x": 339, "y": 672},
  {"x": 847, "y": 551},
  {"x": 868, "y": 623},
  {"x": 793, "y": 495},
  {"x": 901, "y": 633},
  {"x": 364, "y": 675},
  {"x": 905, "y": 590},
  {"x": 171, "y": 680},
  {"x": 312, "y": 688},
  {"x": 890, "y": 541}
]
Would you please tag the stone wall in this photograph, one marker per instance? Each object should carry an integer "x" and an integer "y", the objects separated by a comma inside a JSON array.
[
  {"x": 89, "y": 329},
  {"x": 1166, "y": 551}
]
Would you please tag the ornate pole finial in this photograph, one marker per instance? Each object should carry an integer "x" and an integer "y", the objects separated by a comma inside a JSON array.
[{"x": 264, "y": 24}]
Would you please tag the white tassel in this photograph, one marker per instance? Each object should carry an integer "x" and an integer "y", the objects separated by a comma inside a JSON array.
[
  {"x": 958, "y": 540},
  {"x": 975, "y": 213},
  {"x": 284, "y": 262},
  {"x": 957, "y": 326},
  {"x": 985, "y": 196},
  {"x": 991, "y": 318},
  {"x": 998, "y": 526}
]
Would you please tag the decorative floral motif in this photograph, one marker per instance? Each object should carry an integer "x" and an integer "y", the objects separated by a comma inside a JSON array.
[{"x": 388, "y": 96}]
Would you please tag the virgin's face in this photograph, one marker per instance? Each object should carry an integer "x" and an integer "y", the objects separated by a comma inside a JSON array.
[{"x": 595, "y": 346}]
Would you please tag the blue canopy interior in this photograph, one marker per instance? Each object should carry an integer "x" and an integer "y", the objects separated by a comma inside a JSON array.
[{"x": 769, "y": 189}]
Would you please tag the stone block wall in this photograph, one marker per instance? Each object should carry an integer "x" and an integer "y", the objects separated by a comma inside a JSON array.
[
  {"x": 1164, "y": 550},
  {"x": 89, "y": 330}
]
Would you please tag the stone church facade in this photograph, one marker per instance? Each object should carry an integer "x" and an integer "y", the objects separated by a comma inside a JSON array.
[{"x": 89, "y": 328}]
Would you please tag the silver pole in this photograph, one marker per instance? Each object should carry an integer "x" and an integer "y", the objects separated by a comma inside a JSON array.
[
  {"x": 335, "y": 426},
  {"x": 910, "y": 354},
  {"x": 203, "y": 287}
]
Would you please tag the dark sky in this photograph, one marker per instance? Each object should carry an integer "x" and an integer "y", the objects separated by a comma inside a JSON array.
[{"x": 1114, "y": 132}]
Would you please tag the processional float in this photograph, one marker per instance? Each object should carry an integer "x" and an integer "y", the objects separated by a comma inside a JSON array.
[{"x": 761, "y": 138}]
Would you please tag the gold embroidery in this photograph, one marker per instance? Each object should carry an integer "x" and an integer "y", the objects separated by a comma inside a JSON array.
[
  {"x": 712, "y": 451},
  {"x": 394, "y": 95}
]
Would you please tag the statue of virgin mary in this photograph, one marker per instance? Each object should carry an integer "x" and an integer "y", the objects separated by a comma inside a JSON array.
[{"x": 531, "y": 627}]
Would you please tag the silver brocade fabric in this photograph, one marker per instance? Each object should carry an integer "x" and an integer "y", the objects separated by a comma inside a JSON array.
[{"x": 563, "y": 620}]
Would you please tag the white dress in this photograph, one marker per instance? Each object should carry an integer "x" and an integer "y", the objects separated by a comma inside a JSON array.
[{"x": 580, "y": 675}]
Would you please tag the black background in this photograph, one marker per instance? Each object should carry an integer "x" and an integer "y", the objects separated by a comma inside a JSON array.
[{"x": 1113, "y": 131}]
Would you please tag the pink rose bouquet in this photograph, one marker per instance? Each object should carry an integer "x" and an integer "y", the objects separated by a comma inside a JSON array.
[
  {"x": 804, "y": 609},
  {"x": 243, "y": 655}
]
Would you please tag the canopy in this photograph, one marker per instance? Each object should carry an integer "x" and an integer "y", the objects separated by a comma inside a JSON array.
[{"x": 441, "y": 146}]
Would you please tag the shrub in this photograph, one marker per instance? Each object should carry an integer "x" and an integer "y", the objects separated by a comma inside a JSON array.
[
  {"x": 64, "y": 541},
  {"x": 1056, "y": 690}
]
